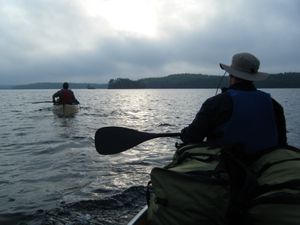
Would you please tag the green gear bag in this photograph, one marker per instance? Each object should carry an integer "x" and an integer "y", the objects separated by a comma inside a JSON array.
[
  {"x": 277, "y": 201},
  {"x": 191, "y": 190},
  {"x": 213, "y": 186}
]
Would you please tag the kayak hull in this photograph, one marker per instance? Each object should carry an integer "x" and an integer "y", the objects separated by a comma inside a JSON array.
[{"x": 65, "y": 110}]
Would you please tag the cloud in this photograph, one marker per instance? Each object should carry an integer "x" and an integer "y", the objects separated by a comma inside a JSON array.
[{"x": 43, "y": 40}]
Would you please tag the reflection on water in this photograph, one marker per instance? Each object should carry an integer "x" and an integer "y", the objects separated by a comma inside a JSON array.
[{"x": 46, "y": 159}]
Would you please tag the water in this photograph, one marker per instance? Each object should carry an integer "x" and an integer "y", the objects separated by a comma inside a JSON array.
[{"x": 49, "y": 164}]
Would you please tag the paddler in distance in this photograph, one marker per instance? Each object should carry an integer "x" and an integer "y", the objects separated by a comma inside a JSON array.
[{"x": 65, "y": 96}]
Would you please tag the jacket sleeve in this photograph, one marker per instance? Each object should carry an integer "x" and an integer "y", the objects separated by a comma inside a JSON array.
[
  {"x": 280, "y": 123},
  {"x": 55, "y": 95},
  {"x": 214, "y": 112},
  {"x": 195, "y": 132},
  {"x": 74, "y": 100}
]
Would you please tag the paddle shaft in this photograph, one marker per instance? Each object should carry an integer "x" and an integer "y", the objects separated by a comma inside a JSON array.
[
  {"x": 42, "y": 102},
  {"x": 113, "y": 140}
]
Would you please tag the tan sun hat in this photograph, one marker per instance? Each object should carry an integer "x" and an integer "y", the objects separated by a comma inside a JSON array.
[{"x": 245, "y": 66}]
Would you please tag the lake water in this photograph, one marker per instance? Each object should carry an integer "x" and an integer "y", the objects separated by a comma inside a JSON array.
[{"x": 48, "y": 162}]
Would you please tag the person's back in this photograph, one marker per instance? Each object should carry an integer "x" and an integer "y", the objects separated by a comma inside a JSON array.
[
  {"x": 65, "y": 96},
  {"x": 242, "y": 114},
  {"x": 252, "y": 122}
]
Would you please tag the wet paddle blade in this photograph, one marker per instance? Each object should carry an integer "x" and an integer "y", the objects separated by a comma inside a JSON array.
[{"x": 113, "y": 140}]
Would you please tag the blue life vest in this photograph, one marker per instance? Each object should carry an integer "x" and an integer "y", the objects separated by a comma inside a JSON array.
[{"x": 252, "y": 123}]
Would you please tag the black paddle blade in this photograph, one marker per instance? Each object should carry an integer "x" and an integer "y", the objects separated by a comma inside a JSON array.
[{"x": 112, "y": 140}]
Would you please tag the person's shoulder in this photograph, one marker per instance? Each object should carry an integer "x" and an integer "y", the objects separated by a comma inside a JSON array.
[
  {"x": 276, "y": 103},
  {"x": 57, "y": 92},
  {"x": 218, "y": 97}
]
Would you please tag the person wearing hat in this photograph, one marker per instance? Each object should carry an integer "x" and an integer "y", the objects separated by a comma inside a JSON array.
[
  {"x": 241, "y": 114},
  {"x": 65, "y": 96}
]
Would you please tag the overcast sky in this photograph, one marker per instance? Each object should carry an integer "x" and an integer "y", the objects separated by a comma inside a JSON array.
[{"x": 96, "y": 40}]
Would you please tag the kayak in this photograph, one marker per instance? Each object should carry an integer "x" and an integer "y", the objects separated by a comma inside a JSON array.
[
  {"x": 140, "y": 218},
  {"x": 65, "y": 110}
]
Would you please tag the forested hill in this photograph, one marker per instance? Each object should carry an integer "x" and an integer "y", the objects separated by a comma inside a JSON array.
[{"x": 282, "y": 80}]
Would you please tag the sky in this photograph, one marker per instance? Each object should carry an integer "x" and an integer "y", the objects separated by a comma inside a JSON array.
[{"x": 93, "y": 41}]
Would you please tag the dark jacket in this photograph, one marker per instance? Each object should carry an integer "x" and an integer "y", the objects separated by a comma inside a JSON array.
[{"x": 217, "y": 110}]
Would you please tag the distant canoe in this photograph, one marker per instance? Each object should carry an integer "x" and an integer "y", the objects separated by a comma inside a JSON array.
[{"x": 65, "y": 110}]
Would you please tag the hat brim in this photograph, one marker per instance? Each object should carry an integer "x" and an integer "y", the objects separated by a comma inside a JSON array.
[{"x": 243, "y": 75}]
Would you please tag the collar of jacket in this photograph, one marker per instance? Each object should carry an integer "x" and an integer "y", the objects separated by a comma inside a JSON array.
[{"x": 243, "y": 86}]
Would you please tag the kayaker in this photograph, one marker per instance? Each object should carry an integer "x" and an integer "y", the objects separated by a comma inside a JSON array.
[
  {"x": 65, "y": 96},
  {"x": 241, "y": 114}
]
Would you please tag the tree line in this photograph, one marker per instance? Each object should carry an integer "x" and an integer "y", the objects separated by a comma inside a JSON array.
[{"x": 186, "y": 80}]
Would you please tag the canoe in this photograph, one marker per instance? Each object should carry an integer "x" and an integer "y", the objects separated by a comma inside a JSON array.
[
  {"x": 65, "y": 110},
  {"x": 140, "y": 218}
]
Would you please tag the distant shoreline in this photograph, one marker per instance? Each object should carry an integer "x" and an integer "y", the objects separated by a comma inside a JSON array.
[
  {"x": 56, "y": 85},
  {"x": 174, "y": 81},
  {"x": 180, "y": 81}
]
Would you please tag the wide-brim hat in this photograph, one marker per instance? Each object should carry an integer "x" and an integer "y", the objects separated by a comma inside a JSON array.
[{"x": 245, "y": 66}]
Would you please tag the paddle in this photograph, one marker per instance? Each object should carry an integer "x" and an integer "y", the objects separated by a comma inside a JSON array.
[
  {"x": 42, "y": 102},
  {"x": 112, "y": 140}
]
